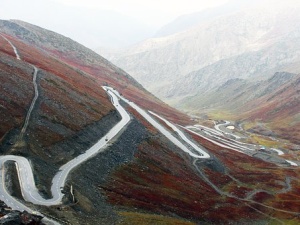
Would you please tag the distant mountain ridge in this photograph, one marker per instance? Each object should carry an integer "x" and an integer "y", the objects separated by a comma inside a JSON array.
[
  {"x": 187, "y": 21},
  {"x": 226, "y": 62},
  {"x": 251, "y": 44}
]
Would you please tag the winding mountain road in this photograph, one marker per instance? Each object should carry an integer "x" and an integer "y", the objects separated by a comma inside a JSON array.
[
  {"x": 218, "y": 127},
  {"x": 188, "y": 128},
  {"x": 201, "y": 152},
  {"x": 220, "y": 138},
  {"x": 25, "y": 173},
  {"x": 24, "y": 169},
  {"x": 36, "y": 95},
  {"x": 27, "y": 184},
  {"x": 5, "y": 196},
  {"x": 198, "y": 153},
  {"x": 14, "y": 48}
]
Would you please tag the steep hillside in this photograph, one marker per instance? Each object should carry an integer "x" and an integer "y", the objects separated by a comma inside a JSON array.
[
  {"x": 251, "y": 44},
  {"x": 71, "y": 106},
  {"x": 278, "y": 107},
  {"x": 236, "y": 93},
  {"x": 78, "y": 57},
  {"x": 274, "y": 102},
  {"x": 141, "y": 167}
]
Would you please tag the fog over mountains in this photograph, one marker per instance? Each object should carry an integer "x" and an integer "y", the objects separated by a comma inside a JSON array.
[
  {"x": 187, "y": 21},
  {"x": 249, "y": 43},
  {"x": 92, "y": 27}
]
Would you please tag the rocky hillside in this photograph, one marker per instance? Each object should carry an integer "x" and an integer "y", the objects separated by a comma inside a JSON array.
[
  {"x": 141, "y": 177},
  {"x": 278, "y": 107},
  {"x": 9, "y": 216},
  {"x": 236, "y": 93},
  {"x": 55, "y": 48},
  {"x": 72, "y": 111},
  {"x": 251, "y": 44},
  {"x": 274, "y": 101}
]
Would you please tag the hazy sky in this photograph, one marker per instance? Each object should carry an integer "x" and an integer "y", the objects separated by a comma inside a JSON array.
[
  {"x": 152, "y": 12},
  {"x": 102, "y": 23},
  {"x": 110, "y": 23}
]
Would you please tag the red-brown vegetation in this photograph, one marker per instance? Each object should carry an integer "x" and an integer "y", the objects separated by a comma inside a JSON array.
[
  {"x": 105, "y": 73},
  {"x": 67, "y": 96},
  {"x": 255, "y": 174},
  {"x": 145, "y": 123},
  {"x": 161, "y": 178},
  {"x": 16, "y": 92},
  {"x": 94, "y": 74},
  {"x": 278, "y": 109},
  {"x": 6, "y": 47},
  {"x": 262, "y": 197},
  {"x": 161, "y": 181},
  {"x": 223, "y": 179}
]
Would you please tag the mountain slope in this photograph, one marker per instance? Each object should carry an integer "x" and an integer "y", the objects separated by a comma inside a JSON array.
[
  {"x": 141, "y": 176},
  {"x": 71, "y": 105},
  {"x": 274, "y": 102},
  {"x": 75, "y": 55},
  {"x": 279, "y": 107}
]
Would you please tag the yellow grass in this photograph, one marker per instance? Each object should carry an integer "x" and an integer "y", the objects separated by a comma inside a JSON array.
[
  {"x": 285, "y": 222},
  {"x": 134, "y": 218},
  {"x": 219, "y": 115},
  {"x": 248, "y": 125},
  {"x": 264, "y": 141}
]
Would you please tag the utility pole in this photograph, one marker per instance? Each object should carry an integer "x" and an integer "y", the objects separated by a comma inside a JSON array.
[{"x": 71, "y": 191}]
